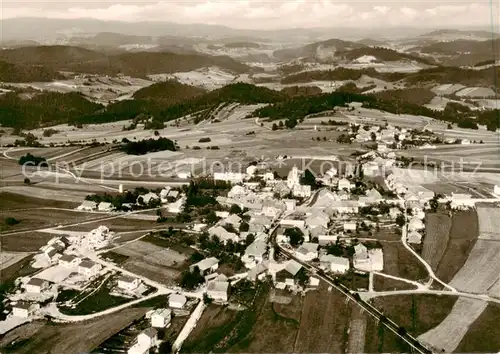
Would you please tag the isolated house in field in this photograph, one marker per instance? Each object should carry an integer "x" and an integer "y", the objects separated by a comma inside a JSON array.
[
  {"x": 24, "y": 309},
  {"x": 88, "y": 268},
  {"x": 105, "y": 206},
  {"x": 128, "y": 283},
  {"x": 307, "y": 251},
  {"x": 218, "y": 288},
  {"x": 206, "y": 266},
  {"x": 334, "y": 264},
  {"x": 176, "y": 301},
  {"x": 69, "y": 261},
  {"x": 87, "y": 205},
  {"x": 36, "y": 285},
  {"x": 161, "y": 318},
  {"x": 414, "y": 237}
]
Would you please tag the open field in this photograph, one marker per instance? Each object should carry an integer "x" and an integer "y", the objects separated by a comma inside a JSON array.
[
  {"x": 357, "y": 330},
  {"x": 40, "y": 218},
  {"x": 481, "y": 270},
  {"x": 157, "y": 263},
  {"x": 381, "y": 283},
  {"x": 489, "y": 223},
  {"x": 10, "y": 201},
  {"x": 449, "y": 333},
  {"x": 483, "y": 334},
  {"x": 463, "y": 236},
  {"x": 24, "y": 242},
  {"x": 9, "y": 258},
  {"x": 44, "y": 337},
  {"x": 399, "y": 262},
  {"x": 324, "y": 322},
  {"x": 119, "y": 224},
  {"x": 437, "y": 233},
  {"x": 416, "y": 313}
]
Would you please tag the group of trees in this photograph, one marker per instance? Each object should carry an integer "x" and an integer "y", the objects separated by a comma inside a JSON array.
[
  {"x": 143, "y": 147},
  {"x": 31, "y": 160},
  {"x": 128, "y": 198}
]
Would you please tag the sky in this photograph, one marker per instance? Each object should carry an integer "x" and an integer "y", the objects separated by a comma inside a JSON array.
[{"x": 270, "y": 14}]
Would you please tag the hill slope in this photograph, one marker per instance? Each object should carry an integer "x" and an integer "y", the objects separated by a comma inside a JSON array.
[
  {"x": 137, "y": 64},
  {"x": 321, "y": 51},
  {"x": 383, "y": 54},
  {"x": 26, "y": 73}
]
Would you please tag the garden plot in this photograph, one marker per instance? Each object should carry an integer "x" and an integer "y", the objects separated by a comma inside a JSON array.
[
  {"x": 448, "y": 334},
  {"x": 489, "y": 223},
  {"x": 481, "y": 270}
]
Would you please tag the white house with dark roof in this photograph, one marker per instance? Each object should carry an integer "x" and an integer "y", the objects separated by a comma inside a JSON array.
[
  {"x": 88, "y": 268},
  {"x": 160, "y": 318},
  {"x": 36, "y": 285},
  {"x": 128, "y": 283},
  {"x": 24, "y": 309},
  {"x": 69, "y": 261},
  {"x": 307, "y": 251}
]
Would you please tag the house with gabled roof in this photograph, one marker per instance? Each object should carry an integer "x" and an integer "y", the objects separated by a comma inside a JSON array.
[
  {"x": 307, "y": 251},
  {"x": 206, "y": 266},
  {"x": 288, "y": 275}
]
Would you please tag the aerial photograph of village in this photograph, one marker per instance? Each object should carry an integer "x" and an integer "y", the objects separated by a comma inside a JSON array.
[{"x": 249, "y": 177}]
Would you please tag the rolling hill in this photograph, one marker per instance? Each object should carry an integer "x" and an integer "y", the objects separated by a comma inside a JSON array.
[
  {"x": 168, "y": 92},
  {"x": 139, "y": 64},
  {"x": 383, "y": 54},
  {"x": 26, "y": 73},
  {"x": 324, "y": 51}
]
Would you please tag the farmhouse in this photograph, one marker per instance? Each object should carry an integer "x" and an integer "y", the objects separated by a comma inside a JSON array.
[
  {"x": 318, "y": 218},
  {"x": 223, "y": 234},
  {"x": 254, "y": 253},
  {"x": 206, "y": 266},
  {"x": 334, "y": 264},
  {"x": 36, "y": 285},
  {"x": 161, "y": 318},
  {"x": 287, "y": 276},
  {"x": 128, "y": 283},
  {"x": 218, "y": 289},
  {"x": 368, "y": 260},
  {"x": 144, "y": 342},
  {"x": 87, "y": 205},
  {"x": 307, "y": 251},
  {"x": 24, "y": 309},
  {"x": 88, "y": 268},
  {"x": 233, "y": 220},
  {"x": 69, "y": 261},
  {"x": 176, "y": 301}
]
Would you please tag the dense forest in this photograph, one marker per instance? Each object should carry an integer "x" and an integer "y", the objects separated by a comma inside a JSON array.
[
  {"x": 43, "y": 109},
  {"x": 26, "y": 73},
  {"x": 169, "y": 101}
]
